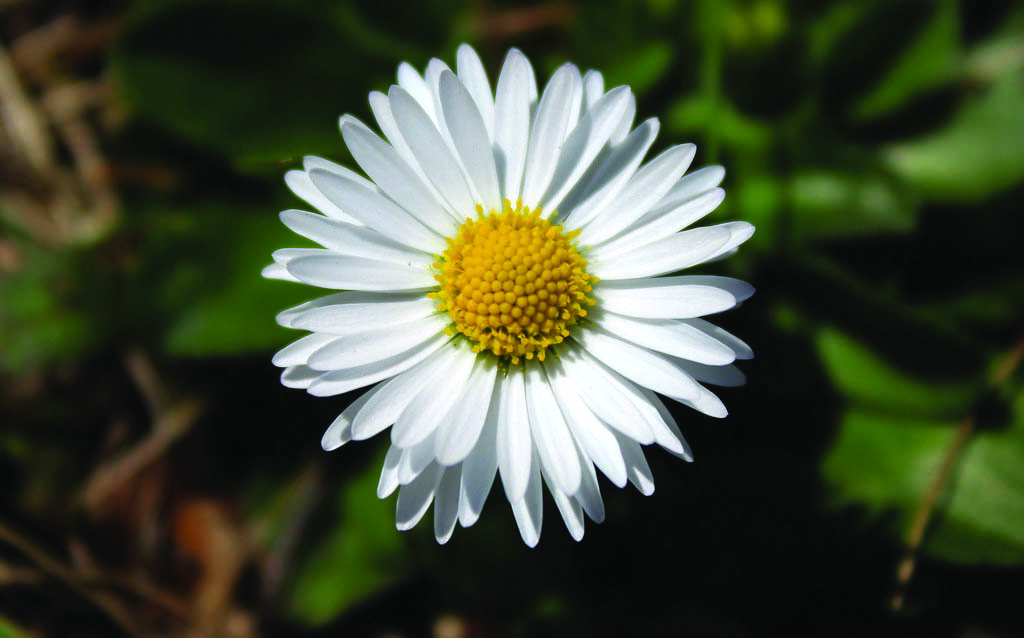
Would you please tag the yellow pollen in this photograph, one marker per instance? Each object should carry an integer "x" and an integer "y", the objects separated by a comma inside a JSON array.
[{"x": 512, "y": 283}]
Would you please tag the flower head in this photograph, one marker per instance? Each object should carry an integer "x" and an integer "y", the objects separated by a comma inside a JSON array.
[{"x": 504, "y": 269}]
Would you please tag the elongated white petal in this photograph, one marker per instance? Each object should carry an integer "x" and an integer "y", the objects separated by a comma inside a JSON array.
[
  {"x": 396, "y": 178},
  {"x": 413, "y": 83},
  {"x": 663, "y": 435},
  {"x": 663, "y": 298},
  {"x": 644, "y": 189},
  {"x": 658, "y": 224},
  {"x": 361, "y": 348},
  {"x": 739, "y": 231},
  {"x": 595, "y": 439},
  {"x": 671, "y": 254},
  {"x": 639, "y": 471},
  {"x": 300, "y": 376},
  {"x": 351, "y": 312},
  {"x": 548, "y": 132},
  {"x": 670, "y": 336},
  {"x": 300, "y": 184},
  {"x": 481, "y": 465},
  {"x": 529, "y": 510},
  {"x": 514, "y": 442},
  {"x": 583, "y": 144},
  {"x": 605, "y": 396},
  {"x": 738, "y": 288},
  {"x": 340, "y": 272},
  {"x": 611, "y": 171},
  {"x": 471, "y": 139},
  {"x": 458, "y": 434},
  {"x": 431, "y": 151},
  {"x": 446, "y": 503},
  {"x": 415, "y": 459},
  {"x": 670, "y": 423},
  {"x": 388, "y": 482},
  {"x": 626, "y": 123},
  {"x": 740, "y": 348},
  {"x": 728, "y": 376},
  {"x": 298, "y": 352},
  {"x": 589, "y": 495},
  {"x": 277, "y": 271},
  {"x": 393, "y": 396},
  {"x": 376, "y": 211},
  {"x": 550, "y": 434},
  {"x": 708, "y": 403},
  {"x": 512, "y": 122},
  {"x": 639, "y": 365},
  {"x": 340, "y": 430},
  {"x": 348, "y": 379},
  {"x": 414, "y": 499},
  {"x": 351, "y": 240},
  {"x": 693, "y": 185},
  {"x": 433, "y": 404},
  {"x": 571, "y": 511},
  {"x": 593, "y": 88},
  {"x": 474, "y": 77}
]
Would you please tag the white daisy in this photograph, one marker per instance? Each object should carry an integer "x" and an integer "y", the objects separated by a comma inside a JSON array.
[{"x": 504, "y": 268}]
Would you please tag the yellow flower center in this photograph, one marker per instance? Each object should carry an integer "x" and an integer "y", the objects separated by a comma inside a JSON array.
[{"x": 513, "y": 283}]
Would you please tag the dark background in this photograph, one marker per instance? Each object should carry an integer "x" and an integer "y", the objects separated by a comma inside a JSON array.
[{"x": 156, "y": 479}]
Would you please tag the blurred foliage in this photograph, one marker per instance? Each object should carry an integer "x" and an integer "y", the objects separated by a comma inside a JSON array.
[{"x": 877, "y": 146}]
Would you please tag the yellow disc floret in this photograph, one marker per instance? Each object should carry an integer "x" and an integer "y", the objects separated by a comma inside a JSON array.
[{"x": 513, "y": 283}]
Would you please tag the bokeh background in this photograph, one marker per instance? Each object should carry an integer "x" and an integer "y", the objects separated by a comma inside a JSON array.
[{"x": 156, "y": 479}]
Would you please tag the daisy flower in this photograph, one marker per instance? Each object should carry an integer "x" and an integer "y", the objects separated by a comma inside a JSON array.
[{"x": 506, "y": 264}]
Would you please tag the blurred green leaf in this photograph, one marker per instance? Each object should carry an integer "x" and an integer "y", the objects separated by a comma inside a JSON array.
[
  {"x": 867, "y": 380},
  {"x": 888, "y": 464},
  {"x": 980, "y": 152},
  {"x": 930, "y": 60},
  {"x": 362, "y": 555},
  {"x": 9, "y": 630},
  {"x": 698, "y": 114},
  {"x": 832, "y": 204},
  {"x": 640, "y": 68},
  {"x": 248, "y": 80}
]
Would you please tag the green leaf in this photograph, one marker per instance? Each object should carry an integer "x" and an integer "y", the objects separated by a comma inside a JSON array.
[
  {"x": 698, "y": 114},
  {"x": 362, "y": 555},
  {"x": 640, "y": 68},
  {"x": 9, "y": 630},
  {"x": 931, "y": 60},
  {"x": 888, "y": 464},
  {"x": 253, "y": 81},
  {"x": 867, "y": 380},
  {"x": 834, "y": 204},
  {"x": 979, "y": 153}
]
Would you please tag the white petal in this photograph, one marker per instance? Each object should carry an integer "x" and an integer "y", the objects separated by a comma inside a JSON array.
[
  {"x": 663, "y": 434},
  {"x": 473, "y": 76},
  {"x": 514, "y": 443},
  {"x": 358, "y": 349},
  {"x": 605, "y": 396},
  {"x": 740, "y": 232},
  {"x": 298, "y": 352},
  {"x": 299, "y": 376},
  {"x": 738, "y": 288},
  {"x": 410, "y": 80},
  {"x": 550, "y": 126},
  {"x": 670, "y": 423},
  {"x": 394, "y": 396},
  {"x": 341, "y": 381},
  {"x": 414, "y": 499},
  {"x": 512, "y": 122},
  {"x": 708, "y": 403},
  {"x": 583, "y": 144},
  {"x": 446, "y": 504},
  {"x": 610, "y": 173},
  {"x": 626, "y": 122},
  {"x": 376, "y": 211},
  {"x": 639, "y": 365},
  {"x": 458, "y": 434},
  {"x": 576, "y": 106},
  {"x": 396, "y": 178},
  {"x": 644, "y": 189},
  {"x": 277, "y": 271},
  {"x": 589, "y": 495},
  {"x": 694, "y": 185},
  {"x": 659, "y": 223},
  {"x": 571, "y": 511},
  {"x": 740, "y": 348},
  {"x": 480, "y": 466},
  {"x": 351, "y": 312},
  {"x": 664, "y": 256},
  {"x": 593, "y": 88},
  {"x": 469, "y": 134},
  {"x": 388, "y": 481},
  {"x": 726, "y": 376},
  {"x": 340, "y": 431},
  {"x": 551, "y": 436},
  {"x": 340, "y": 272},
  {"x": 431, "y": 151},
  {"x": 300, "y": 184},
  {"x": 354, "y": 241},
  {"x": 415, "y": 459},
  {"x": 529, "y": 510},
  {"x": 670, "y": 336},
  {"x": 433, "y": 403},
  {"x": 596, "y": 440},
  {"x": 639, "y": 471},
  {"x": 663, "y": 298}
]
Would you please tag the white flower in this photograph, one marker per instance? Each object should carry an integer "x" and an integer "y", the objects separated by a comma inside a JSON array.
[{"x": 503, "y": 273}]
